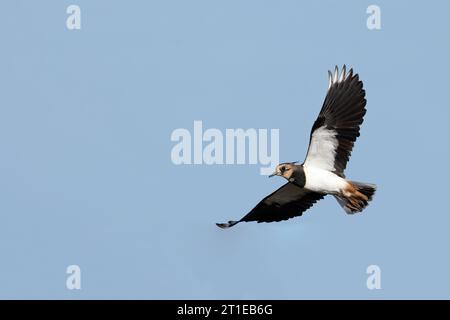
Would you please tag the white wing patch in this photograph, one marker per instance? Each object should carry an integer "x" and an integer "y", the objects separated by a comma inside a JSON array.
[{"x": 322, "y": 149}]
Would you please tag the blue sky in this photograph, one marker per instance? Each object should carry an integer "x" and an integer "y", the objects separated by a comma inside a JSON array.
[{"x": 86, "y": 176}]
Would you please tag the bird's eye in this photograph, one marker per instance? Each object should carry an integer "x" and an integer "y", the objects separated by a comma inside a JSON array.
[{"x": 282, "y": 169}]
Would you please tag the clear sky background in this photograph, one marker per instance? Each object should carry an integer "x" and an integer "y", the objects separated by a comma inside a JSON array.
[{"x": 86, "y": 176}]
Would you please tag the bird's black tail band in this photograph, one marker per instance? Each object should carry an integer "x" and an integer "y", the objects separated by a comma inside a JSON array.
[{"x": 356, "y": 196}]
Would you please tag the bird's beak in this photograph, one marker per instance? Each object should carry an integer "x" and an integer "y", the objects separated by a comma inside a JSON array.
[{"x": 273, "y": 174}]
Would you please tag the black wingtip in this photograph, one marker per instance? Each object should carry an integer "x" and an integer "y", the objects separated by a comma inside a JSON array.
[{"x": 227, "y": 225}]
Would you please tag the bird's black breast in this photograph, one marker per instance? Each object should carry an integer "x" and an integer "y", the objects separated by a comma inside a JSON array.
[{"x": 298, "y": 177}]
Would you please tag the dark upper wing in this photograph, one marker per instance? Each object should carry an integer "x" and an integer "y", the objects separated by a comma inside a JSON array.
[
  {"x": 337, "y": 126},
  {"x": 285, "y": 203}
]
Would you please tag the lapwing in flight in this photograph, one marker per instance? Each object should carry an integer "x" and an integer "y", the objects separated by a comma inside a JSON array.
[{"x": 331, "y": 141}]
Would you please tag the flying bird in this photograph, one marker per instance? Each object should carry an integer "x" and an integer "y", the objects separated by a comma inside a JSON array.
[{"x": 322, "y": 173}]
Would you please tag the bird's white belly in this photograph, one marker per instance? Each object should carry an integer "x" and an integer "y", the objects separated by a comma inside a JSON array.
[{"x": 323, "y": 181}]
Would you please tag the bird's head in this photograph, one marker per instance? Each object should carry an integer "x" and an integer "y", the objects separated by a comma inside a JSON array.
[{"x": 284, "y": 170}]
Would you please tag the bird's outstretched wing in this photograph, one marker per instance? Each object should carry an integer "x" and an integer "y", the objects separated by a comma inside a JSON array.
[
  {"x": 287, "y": 202},
  {"x": 337, "y": 126}
]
